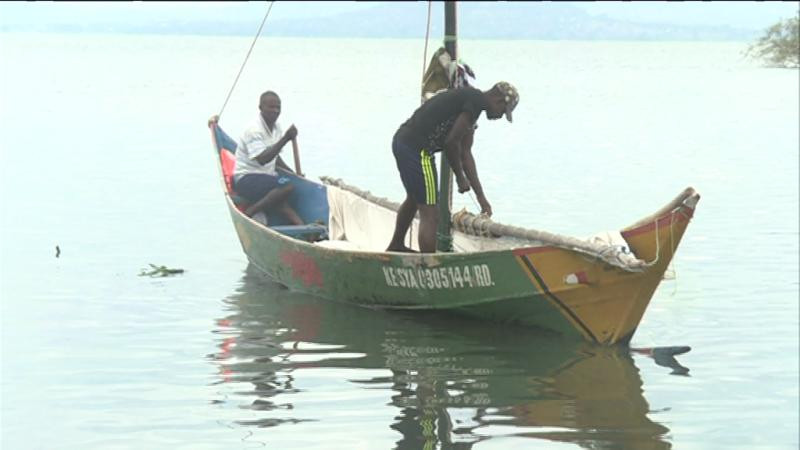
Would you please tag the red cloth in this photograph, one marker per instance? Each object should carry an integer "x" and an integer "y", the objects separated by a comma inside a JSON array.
[{"x": 228, "y": 164}]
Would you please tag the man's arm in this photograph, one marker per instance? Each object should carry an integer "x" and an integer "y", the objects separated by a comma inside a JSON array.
[
  {"x": 452, "y": 148},
  {"x": 468, "y": 162},
  {"x": 272, "y": 151}
]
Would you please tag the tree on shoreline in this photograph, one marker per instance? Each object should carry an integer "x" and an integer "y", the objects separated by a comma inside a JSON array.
[{"x": 780, "y": 44}]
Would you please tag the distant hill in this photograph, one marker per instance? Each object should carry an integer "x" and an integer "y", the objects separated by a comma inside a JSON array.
[
  {"x": 513, "y": 20},
  {"x": 477, "y": 20}
]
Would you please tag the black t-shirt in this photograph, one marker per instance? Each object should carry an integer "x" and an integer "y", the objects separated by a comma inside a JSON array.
[{"x": 430, "y": 124}]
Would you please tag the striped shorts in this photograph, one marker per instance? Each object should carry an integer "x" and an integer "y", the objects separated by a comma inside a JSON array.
[{"x": 418, "y": 172}]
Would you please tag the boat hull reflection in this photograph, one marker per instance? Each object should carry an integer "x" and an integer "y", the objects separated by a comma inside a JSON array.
[{"x": 454, "y": 382}]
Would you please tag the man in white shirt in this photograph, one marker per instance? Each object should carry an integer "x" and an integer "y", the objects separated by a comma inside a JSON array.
[{"x": 257, "y": 156}]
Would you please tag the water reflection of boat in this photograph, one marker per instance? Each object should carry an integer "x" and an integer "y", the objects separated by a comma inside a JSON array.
[{"x": 497, "y": 381}]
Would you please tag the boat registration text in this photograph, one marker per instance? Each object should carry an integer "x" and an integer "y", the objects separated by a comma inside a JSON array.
[{"x": 439, "y": 278}]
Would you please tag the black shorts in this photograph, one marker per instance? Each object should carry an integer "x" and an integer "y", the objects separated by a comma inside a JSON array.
[
  {"x": 418, "y": 172},
  {"x": 254, "y": 186}
]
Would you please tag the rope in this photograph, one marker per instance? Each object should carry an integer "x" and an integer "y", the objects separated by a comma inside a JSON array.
[
  {"x": 425, "y": 52},
  {"x": 245, "y": 59},
  {"x": 487, "y": 231},
  {"x": 473, "y": 201},
  {"x": 672, "y": 261},
  {"x": 471, "y": 224},
  {"x": 655, "y": 260},
  {"x": 671, "y": 221}
]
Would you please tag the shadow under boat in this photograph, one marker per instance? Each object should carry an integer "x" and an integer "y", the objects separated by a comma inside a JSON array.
[{"x": 535, "y": 385}]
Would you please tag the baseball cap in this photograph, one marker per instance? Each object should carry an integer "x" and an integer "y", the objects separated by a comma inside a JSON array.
[{"x": 510, "y": 95}]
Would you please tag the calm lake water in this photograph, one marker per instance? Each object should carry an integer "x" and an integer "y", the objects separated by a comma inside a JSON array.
[{"x": 105, "y": 153}]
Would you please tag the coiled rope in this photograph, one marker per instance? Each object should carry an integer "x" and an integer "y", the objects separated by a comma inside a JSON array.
[{"x": 258, "y": 33}]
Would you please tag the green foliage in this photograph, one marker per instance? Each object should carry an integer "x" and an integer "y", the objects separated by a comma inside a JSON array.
[
  {"x": 780, "y": 44},
  {"x": 160, "y": 271}
]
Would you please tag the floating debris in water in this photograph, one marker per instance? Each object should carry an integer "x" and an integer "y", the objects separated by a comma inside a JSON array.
[
  {"x": 160, "y": 271},
  {"x": 58, "y": 251}
]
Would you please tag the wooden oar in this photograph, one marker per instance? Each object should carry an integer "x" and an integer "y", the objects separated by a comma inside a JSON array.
[{"x": 296, "y": 151}]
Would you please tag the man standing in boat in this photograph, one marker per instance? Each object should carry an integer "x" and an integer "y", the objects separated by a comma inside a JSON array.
[
  {"x": 257, "y": 155},
  {"x": 445, "y": 122}
]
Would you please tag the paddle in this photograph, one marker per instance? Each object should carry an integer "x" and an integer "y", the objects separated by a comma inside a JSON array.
[{"x": 296, "y": 151}]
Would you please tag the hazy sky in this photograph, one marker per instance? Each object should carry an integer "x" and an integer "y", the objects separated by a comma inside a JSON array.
[
  {"x": 752, "y": 15},
  {"x": 755, "y": 15}
]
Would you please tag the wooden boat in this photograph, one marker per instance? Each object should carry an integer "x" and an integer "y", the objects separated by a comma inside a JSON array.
[
  {"x": 582, "y": 289},
  {"x": 596, "y": 290}
]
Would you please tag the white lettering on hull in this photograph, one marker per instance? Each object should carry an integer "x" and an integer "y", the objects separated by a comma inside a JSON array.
[{"x": 439, "y": 278}]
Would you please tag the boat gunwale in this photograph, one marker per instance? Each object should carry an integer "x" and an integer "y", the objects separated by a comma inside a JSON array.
[
  {"x": 359, "y": 253},
  {"x": 569, "y": 243},
  {"x": 423, "y": 257}
]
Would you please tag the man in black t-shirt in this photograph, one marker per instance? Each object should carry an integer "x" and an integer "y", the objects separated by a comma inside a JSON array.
[{"x": 445, "y": 122}]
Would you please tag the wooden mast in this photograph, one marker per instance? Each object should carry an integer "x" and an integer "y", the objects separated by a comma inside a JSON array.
[{"x": 444, "y": 238}]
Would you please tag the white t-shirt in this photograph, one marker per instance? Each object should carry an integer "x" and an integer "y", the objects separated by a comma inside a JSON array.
[{"x": 254, "y": 141}]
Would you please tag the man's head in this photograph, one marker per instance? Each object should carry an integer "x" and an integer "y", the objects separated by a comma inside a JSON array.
[
  {"x": 270, "y": 106},
  {"x": 502, "y": 98}
]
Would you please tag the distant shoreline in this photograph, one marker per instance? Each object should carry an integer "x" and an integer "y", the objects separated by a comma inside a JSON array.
[
  {"x": 547, "y": 21},
  {"x": 433, "y": 38}
]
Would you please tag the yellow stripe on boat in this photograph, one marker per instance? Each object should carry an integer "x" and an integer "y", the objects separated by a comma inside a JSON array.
[{"x": 568, "y": 314}]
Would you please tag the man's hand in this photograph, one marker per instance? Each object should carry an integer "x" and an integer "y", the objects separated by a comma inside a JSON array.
[
  {"x": 291, "y": 133},
  {"x": 463, "y": 184},
  {"x": 486, "y": 208}
]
